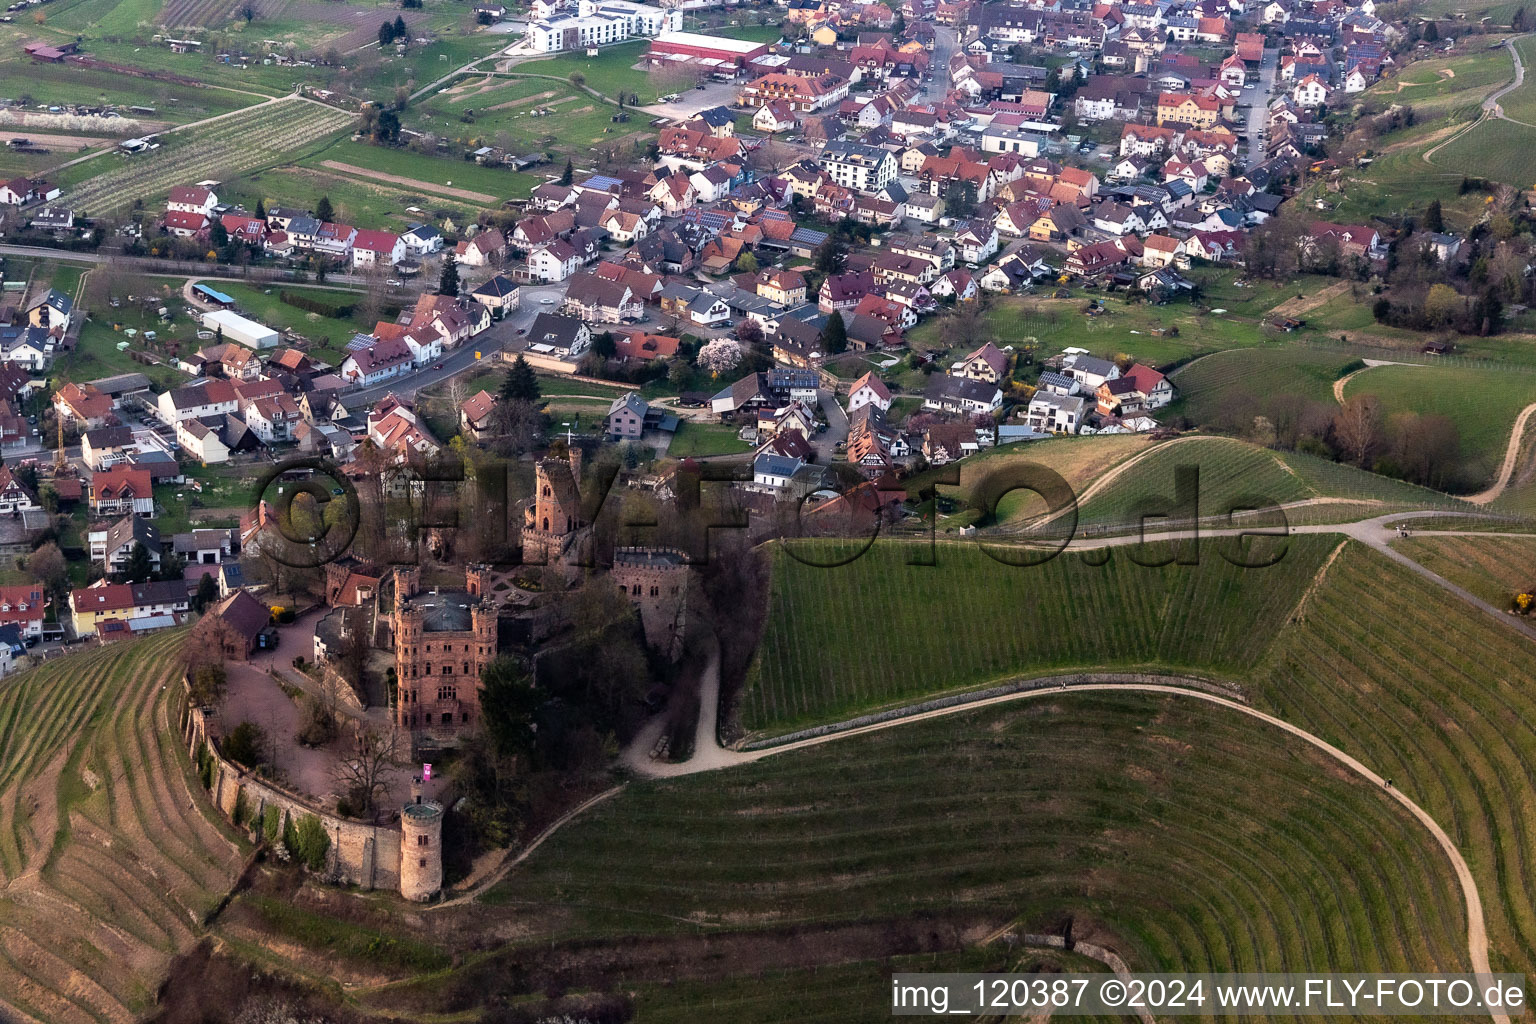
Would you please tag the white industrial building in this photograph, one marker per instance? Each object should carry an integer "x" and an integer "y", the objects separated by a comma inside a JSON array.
[
  {"x": 597, "y": 23},
  {"x": 237, "y": 328}
]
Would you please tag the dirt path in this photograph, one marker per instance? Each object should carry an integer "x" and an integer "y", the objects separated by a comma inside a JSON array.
[
  {"x": 1307, "y": 303},
  {"x": 420, "y": 186},
  {"x": 1491, "y": 107},
  {"x": 1511, "y": 455},
  {"x": 1370, "y": 364}
]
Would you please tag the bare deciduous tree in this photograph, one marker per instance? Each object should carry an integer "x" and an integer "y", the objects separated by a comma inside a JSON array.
[
  {"x": 367, "y": 771},
  {"x": 1357, "y": 428}
]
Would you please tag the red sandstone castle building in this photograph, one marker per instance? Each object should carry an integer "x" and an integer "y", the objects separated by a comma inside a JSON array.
[{"x": 443, "y": 640}]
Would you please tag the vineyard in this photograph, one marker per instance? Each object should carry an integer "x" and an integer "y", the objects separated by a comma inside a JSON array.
[
  {"x": 251, "y": 138},
  {"x": 999, "y": 621},
  {"x": 1184, "y": 836},
  {"x": 109, "y": 849},
  {"x": 1493, "y": 568},
  {"x": 1433, "y": 694}
]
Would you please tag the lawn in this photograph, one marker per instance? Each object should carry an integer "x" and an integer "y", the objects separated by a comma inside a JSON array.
[
  {"x": 328, "y": 336},
  {"x": 1001, "y": 621},
  {"x": 94, "y": 746},
  {"x": 1482, "y": 403},
  {"x": 23, "y": 79},
  {"x": 695, "y": 439},
  {"x": 1123, "y": 328}
]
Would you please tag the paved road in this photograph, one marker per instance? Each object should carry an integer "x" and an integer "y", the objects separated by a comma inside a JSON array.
[
  {"x": 945, "y": 39},
  {"x": 1259, "y": 96},
  {"x": 501, "y": 335}
]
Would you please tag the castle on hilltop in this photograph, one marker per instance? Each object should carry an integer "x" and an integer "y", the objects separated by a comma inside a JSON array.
[{"x": 443, "y": 639}]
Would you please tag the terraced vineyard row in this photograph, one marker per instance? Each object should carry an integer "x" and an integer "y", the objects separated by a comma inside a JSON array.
[
  {"x": 998, "y": 621},
  {"x": 1431, "y": 693},
  {"x": 252, "y": 138},
  {"x": 1182, "y": 835},
  {"x": 112, "y": 854}
]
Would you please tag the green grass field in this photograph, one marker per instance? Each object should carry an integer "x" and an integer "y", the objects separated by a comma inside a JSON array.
[
  {"x": 970, "y": 620},
  {"x": 110, "y": 849},
  {"x": 1482, "y": 403},
  {"x": 1211, "y": 387},
  {"x": 328, "y": 336},
  {"x": 706, "y": 439},
  {"x": 502, "y": 111}
]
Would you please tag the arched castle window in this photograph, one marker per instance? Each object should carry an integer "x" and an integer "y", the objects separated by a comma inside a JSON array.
[
  {"x": 447, "y": 693},
  {"x": 546, "y": 524},
  {"x": 655, "y": 591}
]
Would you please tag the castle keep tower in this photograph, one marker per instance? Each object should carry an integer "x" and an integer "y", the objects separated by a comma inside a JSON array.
[
  {"x": 421, "y": 848},
  {"x": 554, "y": 518},
  {"x": 656, "y": 582}
]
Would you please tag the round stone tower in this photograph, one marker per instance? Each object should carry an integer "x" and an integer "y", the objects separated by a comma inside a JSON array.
[{"x": 421, "y": 848}]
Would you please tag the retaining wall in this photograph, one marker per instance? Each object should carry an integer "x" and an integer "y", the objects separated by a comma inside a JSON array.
[{"x": 361, "y": 854}]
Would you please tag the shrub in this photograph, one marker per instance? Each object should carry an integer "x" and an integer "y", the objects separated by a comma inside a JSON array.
[
  {"x": 312, "y": 305},
  {"x": 272, "y": 825},
  {"x": 316, "y": 726},
  {"x": 244, "y": 743},
  {"x": 242, "y": 809},
  {"x": 310, "y": 842}
]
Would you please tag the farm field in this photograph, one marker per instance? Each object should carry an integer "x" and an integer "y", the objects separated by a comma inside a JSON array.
[
  {"x": 242, "y": 142},
  {"x": 1493, "y": 568},
  {"x": 1212, "y": 387},
  {"x": 504, "y": 109},
  {"x": 1496, "y": 149},
  {"x": 439, "y": 177},
  {"x": 1482, "y": 403},
  {"x": 1000, "y": 621},
  {"x": 1379, "y": 664},
  {"x": 110, "y": 849}
]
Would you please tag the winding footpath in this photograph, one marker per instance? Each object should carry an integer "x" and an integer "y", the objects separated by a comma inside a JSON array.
[
  {"x": 1511, "y": 456},
  {"x": 1491, "y": 108}
]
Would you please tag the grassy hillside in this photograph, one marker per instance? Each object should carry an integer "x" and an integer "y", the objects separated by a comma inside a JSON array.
[
  {"x": 1482, "y": 403},
  {"x": 880, "y": 631},
  {"x": 109, "y": 850},
  {"x": 1228, "y": 384}
]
